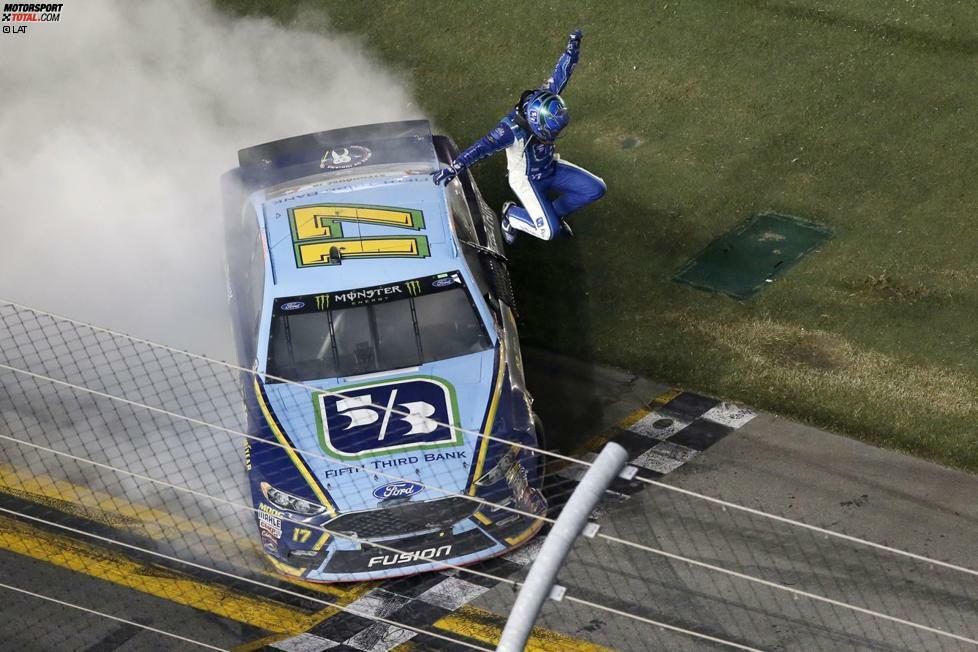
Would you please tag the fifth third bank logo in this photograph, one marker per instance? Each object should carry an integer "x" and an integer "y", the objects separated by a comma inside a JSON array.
[{"x": 387, "y": 417}]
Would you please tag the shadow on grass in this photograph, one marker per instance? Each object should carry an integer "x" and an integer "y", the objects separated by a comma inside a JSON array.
[
  {"x": 548, "y": 279},
  {"x": 567, "y": 399},
  {"x": 552, "y": 282}
]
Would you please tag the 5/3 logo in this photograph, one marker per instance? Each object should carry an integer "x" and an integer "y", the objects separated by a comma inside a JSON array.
[
  {"x": 361, "y": 412},
  {"x": 384, "y": 418}
]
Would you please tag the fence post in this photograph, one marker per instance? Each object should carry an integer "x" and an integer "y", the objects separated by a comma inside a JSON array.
[{"x": 543, "y": 573}]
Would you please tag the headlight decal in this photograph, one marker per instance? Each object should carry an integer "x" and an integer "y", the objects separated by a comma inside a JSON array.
[
  {"x": 290, "y": 450},
  {"x": 290, "y": 503}
]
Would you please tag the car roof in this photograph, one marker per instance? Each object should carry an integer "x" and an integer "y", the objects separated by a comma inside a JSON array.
[{"x": 388, "y": 223}]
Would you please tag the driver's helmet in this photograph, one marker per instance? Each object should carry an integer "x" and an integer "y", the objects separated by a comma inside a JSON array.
[{"x": 546, "y": 114}]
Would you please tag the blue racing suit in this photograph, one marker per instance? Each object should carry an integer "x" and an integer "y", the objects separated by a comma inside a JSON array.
[{"x": 535, "y": 170}]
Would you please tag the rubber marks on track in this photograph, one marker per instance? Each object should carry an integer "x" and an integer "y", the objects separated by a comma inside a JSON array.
[
  {"x": 673, "y": 429},
  {"x": 421, "y": 603}
]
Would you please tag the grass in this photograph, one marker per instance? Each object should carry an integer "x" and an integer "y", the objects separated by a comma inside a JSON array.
[{"x": 700, "y": 113}]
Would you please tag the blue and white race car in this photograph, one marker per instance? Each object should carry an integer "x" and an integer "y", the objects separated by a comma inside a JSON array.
[{"x": 385, "y": 300}]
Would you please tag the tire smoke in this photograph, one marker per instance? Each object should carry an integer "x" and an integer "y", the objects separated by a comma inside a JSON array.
[{"x": 116, "y": 124}]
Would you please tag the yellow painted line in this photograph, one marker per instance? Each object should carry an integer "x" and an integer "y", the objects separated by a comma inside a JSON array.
[
  {"x": 667, "y": 396},
  {"x": 341, "y": 591},
  {"x": 260, "y": 643},
  {"x": 594, "y": 443},
  {"x": 632, "y": 419},
  {"x": 487, "y": 627},
  {"x": 122, "y": 514},
  {"x": 106, "y": 509},
  {"x": 151, "y": 579},
  {"x": 355, "y": 591}
]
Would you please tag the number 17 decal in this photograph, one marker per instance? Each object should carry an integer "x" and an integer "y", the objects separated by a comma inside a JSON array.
[{"x": 383, "y": 418}]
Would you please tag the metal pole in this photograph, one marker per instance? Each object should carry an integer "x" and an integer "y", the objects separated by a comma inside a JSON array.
[{"x": 543, "y": 573}]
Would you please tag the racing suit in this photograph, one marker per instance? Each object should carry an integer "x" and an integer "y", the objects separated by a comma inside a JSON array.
[{"x": 534, "y": 169}]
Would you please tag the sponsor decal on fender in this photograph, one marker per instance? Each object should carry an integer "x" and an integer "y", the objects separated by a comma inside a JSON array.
[
  {"x": 270, "y": 521},
  {"x": 405, "y": 557}
]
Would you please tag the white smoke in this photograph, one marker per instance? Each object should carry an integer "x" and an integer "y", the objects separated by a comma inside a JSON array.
[{"x": 115, "y": 126}]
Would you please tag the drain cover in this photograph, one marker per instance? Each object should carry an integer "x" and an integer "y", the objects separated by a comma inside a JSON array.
[{"x": 741, "y": 262}]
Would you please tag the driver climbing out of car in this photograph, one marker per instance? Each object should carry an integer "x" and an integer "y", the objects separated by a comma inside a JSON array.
[{"x": 535, "y": 170}]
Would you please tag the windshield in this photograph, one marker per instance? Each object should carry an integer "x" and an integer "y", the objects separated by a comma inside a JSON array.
[{"x": 373, "y": 329}]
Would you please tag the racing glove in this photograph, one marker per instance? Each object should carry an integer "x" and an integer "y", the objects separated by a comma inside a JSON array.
[
  {"x": 574, "y": 42},
  {"x": 445, "y": 175}
]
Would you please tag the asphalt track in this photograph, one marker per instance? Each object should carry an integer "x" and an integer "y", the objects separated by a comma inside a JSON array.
[{"x": 767, "y": 463}]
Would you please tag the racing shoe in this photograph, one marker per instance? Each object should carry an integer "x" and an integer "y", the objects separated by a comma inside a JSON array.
[
  {"x": 565, "y": 230},
  {"x": 509, "y": 233}
]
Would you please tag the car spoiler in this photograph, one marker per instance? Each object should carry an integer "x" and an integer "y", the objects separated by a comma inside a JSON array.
[{"x": 336, "y": 150}]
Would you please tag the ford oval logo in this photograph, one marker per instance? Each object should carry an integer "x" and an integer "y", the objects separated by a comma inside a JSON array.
[
  {"x": 397, "y": 490},
  {"x": 442, "y": 282},
  {"x": 293, "y": 305}
]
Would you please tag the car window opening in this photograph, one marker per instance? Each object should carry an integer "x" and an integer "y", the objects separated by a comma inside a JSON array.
[{"x": 404, "y": 331}]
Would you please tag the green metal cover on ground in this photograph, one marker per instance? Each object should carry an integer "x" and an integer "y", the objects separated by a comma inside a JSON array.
[{"x": 741, "y": 262}]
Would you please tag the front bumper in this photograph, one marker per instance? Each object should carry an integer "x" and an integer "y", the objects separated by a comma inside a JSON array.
[{"x": 474, "y": 538}]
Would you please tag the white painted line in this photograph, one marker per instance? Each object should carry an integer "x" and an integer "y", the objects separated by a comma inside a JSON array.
[
  {"x": 452, "y": 593},
  {"x": 728, "y": 414},
  {"x": 665, "y": 457},
  {"x": 379, "y": 638},
  {"x": 576, "y": 472},
  {"x": 525, "y": 555},
  {"x": 658, "y": 425},
  {"x": 305, "y": 643},
  {"x": 377, "y": 603},
  {"x": 628, "y": 472}
]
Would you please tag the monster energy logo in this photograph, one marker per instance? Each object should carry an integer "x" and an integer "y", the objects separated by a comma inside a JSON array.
[
  {"x": 413, "y": 288},
  {"x": 322, "y": 301}
]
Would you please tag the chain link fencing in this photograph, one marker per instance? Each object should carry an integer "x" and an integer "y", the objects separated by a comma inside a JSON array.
[{"x": 129, "y": 455}]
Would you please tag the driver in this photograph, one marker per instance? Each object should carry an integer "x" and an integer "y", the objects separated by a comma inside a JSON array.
[{"x": 535, "y": 170}]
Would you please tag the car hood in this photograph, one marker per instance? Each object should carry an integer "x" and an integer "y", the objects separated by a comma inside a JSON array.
[{"x": 363, "y": 455}]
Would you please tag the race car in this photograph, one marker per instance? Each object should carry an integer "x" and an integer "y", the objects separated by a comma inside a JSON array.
[{"x": 376, "y": 312}]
